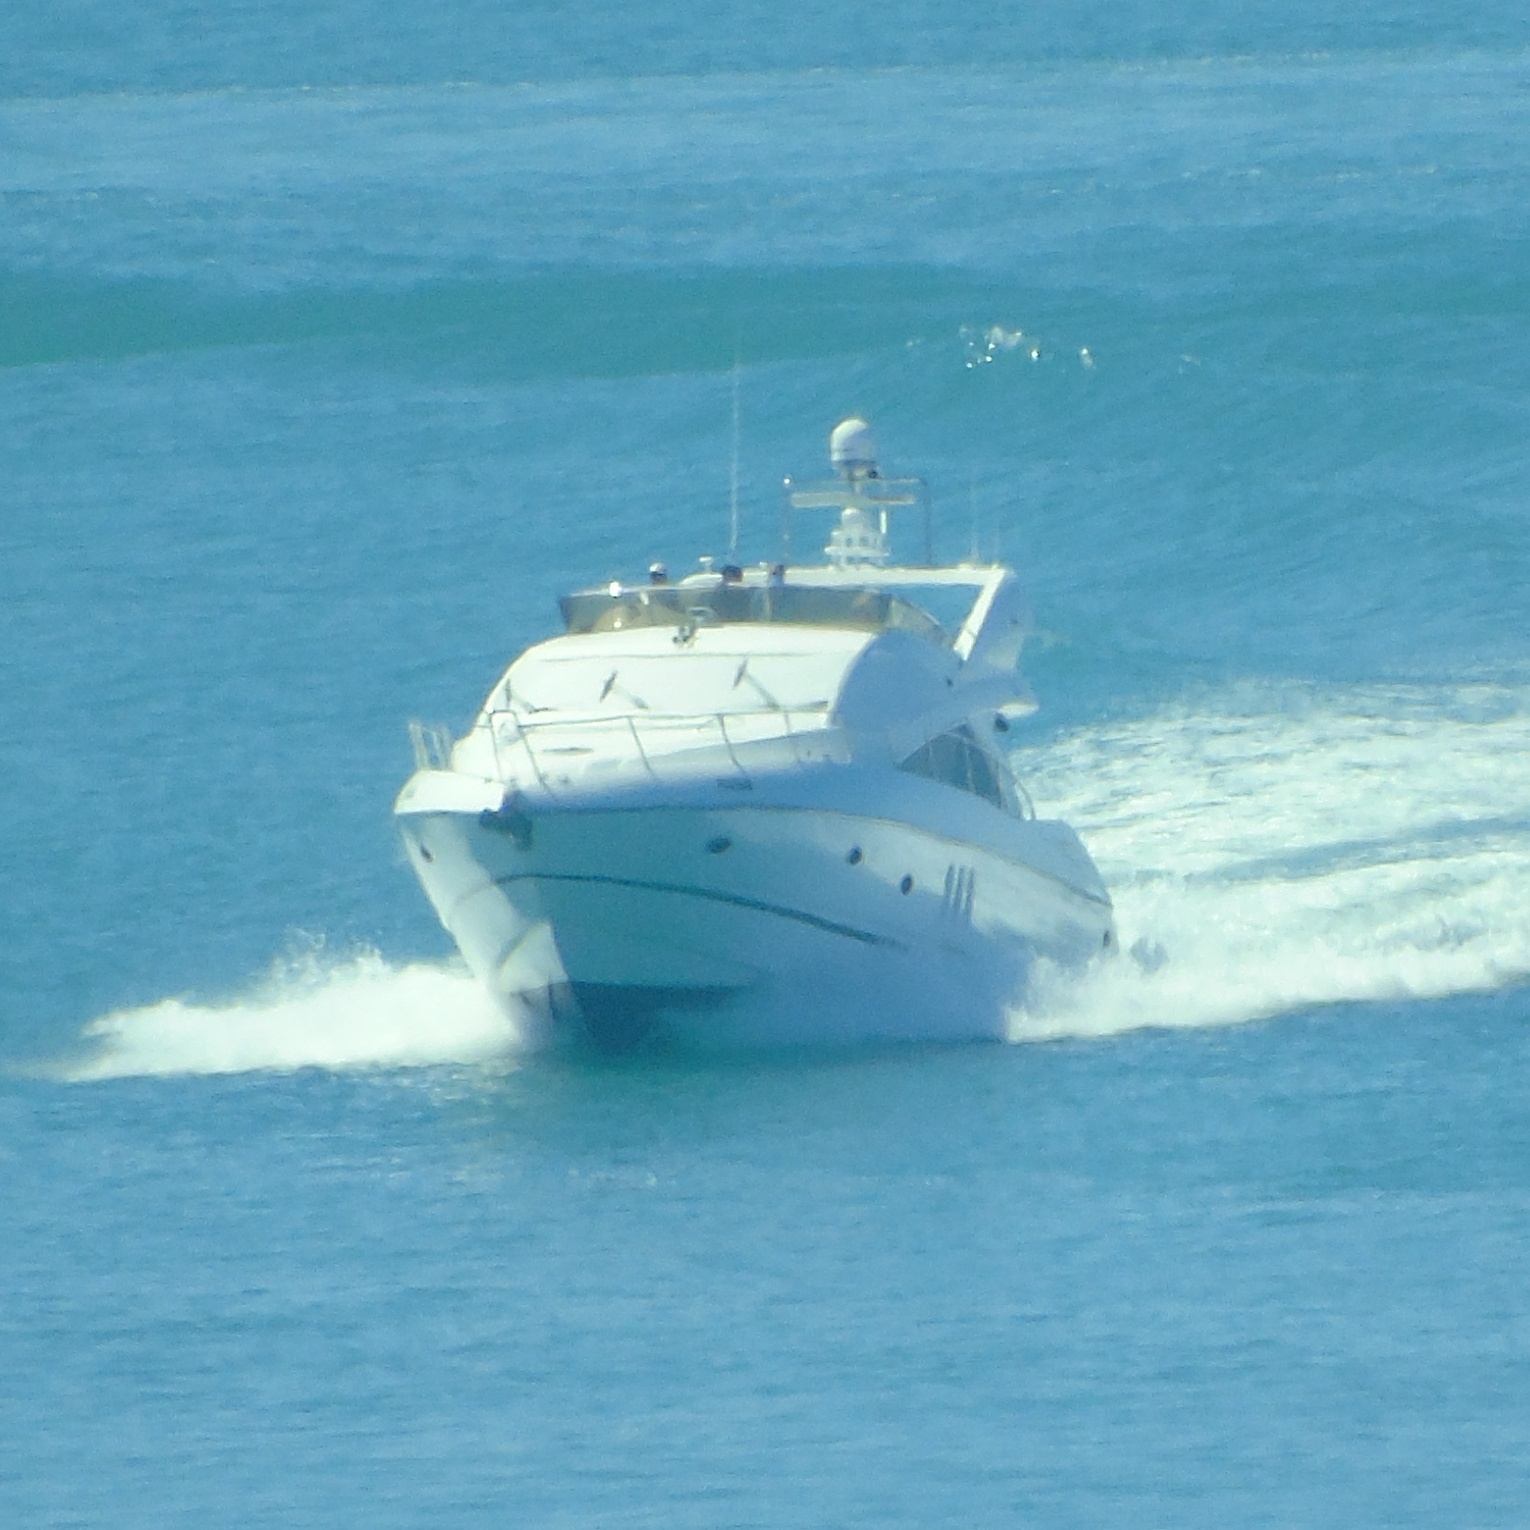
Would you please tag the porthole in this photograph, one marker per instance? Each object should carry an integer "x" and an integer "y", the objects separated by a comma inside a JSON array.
[
  {"x": 424, "y": 850},
  {"x": 1107, "y": 940},
  {"x": 718, "y": 845},
  {"x": 906, "y": 885},
  {"x": 854, "y": 857}
]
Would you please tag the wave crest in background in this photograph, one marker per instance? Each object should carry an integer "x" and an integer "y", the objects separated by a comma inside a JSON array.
[
  {"x": 1273, "y": 849},
  {"x": 361, "y": 1012},
  {"x": 554, "y": 322}
]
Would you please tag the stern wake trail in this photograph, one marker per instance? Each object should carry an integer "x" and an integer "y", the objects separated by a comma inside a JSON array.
[{"x": 1274, "y": 848}]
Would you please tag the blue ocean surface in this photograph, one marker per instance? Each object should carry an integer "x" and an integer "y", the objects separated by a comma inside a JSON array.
[{"x": 336, "y": 341}]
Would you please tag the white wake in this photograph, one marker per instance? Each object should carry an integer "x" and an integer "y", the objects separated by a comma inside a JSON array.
[
  {"x": 1271, "y": 848},
  {"x": 1267, "y": 848},
  {"x": 360, "y": 1012}
]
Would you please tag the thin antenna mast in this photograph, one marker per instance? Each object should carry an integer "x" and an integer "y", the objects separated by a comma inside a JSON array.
[{"x": 733, "y": 474}]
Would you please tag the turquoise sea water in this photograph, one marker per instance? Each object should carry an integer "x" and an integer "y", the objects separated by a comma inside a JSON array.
[{"x": 336, "y": 341}]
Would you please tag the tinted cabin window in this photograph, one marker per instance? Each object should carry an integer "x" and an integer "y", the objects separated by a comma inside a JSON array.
[
  {"x": 955, "y": 759},
  {"x": 860, "y": 608}
]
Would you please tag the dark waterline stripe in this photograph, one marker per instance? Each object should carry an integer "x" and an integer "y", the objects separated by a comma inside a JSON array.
[
  {"x": 557, "y": 321},
  {"x": 976, "y": 846},
  {"x": 754, "y": 904}
]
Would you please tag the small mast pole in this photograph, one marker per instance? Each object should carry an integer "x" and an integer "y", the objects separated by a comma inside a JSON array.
[{"x": 733, "y": 473}]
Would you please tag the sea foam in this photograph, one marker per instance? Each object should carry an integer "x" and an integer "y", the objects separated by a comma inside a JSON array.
[
  {"x": 1272, "y": 848},
  {"x": 355, "y": 1013},
  {"x": 1268, "y": 849}
]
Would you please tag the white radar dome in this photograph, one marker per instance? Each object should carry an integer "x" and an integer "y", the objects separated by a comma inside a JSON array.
[{"x": 851, "y": 446}]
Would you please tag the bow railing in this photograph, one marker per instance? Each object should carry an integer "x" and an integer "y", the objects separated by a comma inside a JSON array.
[{"x": 662, "y": 746}]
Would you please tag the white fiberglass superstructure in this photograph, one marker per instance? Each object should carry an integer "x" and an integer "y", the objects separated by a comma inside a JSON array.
[{"x": 760, "y": 806}]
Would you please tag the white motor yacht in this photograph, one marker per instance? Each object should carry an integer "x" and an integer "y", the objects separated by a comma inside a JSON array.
[{"x": 760, "y": 806}]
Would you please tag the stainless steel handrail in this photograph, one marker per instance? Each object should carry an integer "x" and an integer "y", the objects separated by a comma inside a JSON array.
[
  {"x": 722, "y": 727},
  {"x": 637, "y": 724},
  {"x": 637, "y": 742},
  {"x": 432, "y": 745}
]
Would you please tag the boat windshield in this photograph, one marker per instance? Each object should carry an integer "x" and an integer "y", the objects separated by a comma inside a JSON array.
[{"x": 857, "y": 607}]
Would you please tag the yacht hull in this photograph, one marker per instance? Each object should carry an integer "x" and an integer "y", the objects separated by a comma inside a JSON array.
[{"x": 724, "y": 926}]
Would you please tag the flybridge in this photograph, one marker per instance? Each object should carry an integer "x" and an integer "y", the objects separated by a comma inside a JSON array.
[
  {"x": 715, "y": 601},
  {"x": 856, "y": 587}
]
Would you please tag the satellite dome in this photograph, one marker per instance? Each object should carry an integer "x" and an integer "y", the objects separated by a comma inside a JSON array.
[{"x": 851, "y": 447}]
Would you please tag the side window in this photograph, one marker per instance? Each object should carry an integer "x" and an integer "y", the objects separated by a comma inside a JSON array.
[
  {"x": 985, "y": 780},
  {"x": 955, "y": 759}
]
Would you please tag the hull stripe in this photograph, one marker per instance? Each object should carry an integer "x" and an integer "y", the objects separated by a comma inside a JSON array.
[
  {"x": 955, "y": 841},
  {"x": 755, "y": 905}
]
